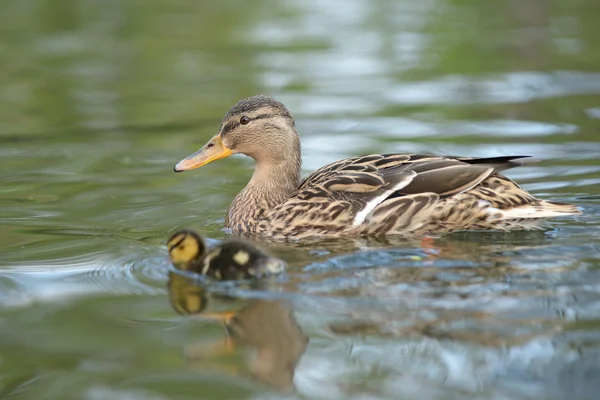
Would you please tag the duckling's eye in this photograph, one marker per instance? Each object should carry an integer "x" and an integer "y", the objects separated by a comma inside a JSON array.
[
  {"x": 210, "y": 145},
  {"x": 244, "y": 120}
]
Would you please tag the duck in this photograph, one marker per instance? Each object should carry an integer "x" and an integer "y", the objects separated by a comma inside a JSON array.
[
  {"x": 233, "y": 259},
  {"x": 368, "y": 195}
]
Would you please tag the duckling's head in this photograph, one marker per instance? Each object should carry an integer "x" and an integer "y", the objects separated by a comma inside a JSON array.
[
  {"x": 185, "y": 247},
  {"x": 259, "y": 127}
]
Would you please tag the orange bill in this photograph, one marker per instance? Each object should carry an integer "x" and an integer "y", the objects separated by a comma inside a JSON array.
[{"x": 211, "y": 151}]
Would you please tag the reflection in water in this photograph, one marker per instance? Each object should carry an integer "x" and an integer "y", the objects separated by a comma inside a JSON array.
[
  {"x": 266, "y": 326},
  {"x": 414, "y": 294},
  {"x": 99, "y": 99},
  {"x": 270, "y": 328},
  {"x": 187, "y": 296},
  {"x": 469, "y": 326}
]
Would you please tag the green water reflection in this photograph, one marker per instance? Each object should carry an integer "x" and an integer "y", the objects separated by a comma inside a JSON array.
[{"x": 100, "y": 99}]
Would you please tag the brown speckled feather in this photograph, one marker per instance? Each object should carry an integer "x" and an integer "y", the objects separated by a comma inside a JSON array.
[{"x": 402, "y": 194}]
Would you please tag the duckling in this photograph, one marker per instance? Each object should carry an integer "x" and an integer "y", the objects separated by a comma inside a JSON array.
[
  {"x": 231, "y": 260},
  {"x": 267, "y": 326}
]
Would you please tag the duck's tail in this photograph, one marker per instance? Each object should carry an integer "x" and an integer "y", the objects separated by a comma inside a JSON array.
[
  {"x": 533, "y": 216},
  {"x": 541, "y": 209}
]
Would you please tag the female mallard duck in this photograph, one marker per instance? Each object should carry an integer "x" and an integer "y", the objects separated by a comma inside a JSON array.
[
  {"x": 231, "y": 260},
  {"x": 375, "y": 194}
]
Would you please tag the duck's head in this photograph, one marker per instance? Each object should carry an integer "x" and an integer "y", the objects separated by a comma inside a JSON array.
[
  {"x": 259, "y": 127},
  {"x": 185, "y": 247}
]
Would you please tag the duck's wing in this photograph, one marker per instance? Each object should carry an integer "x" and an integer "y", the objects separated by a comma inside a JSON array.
[
  {"x": 379, "y": 192},
  {"x": 442, "y": 175},
  {"x": 449, "y": 176}
]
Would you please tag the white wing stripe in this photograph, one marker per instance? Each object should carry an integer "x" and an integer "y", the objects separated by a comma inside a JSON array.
[{"x": 371, "y": 204}]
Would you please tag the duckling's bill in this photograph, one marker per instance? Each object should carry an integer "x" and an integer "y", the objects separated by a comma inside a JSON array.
[{"x": 211, "y": 151}]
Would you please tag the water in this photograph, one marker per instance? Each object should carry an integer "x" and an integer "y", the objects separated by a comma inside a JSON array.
[{"x": 101, "y": 99}]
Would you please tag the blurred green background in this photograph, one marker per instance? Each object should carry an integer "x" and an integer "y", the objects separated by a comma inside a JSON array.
[{"x": 99, "y": 99}]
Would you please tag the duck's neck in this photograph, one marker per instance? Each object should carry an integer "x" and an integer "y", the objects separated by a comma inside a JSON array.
[{"x": 270, "y": 185}]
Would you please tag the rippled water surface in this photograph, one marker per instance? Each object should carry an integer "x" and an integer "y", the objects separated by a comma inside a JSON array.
[{"x": 100, "y": 99}]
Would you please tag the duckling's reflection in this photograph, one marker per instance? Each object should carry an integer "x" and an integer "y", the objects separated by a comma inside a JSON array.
[
  {"x": 266, "y": 326},
  {"x": 186, "y": 296}
]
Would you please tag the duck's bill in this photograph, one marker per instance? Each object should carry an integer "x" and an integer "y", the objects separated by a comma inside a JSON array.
[{"x": 213, "y": 150}]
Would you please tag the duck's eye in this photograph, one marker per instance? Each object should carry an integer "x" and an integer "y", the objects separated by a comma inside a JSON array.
[
  {"x": 244, "y": 120},
  {"x": 210, "y": 145}
]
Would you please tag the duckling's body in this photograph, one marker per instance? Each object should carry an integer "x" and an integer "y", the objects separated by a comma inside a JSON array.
[
  {"x": 233, "y": 259},
  {"x": 376, "y": 194}
]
